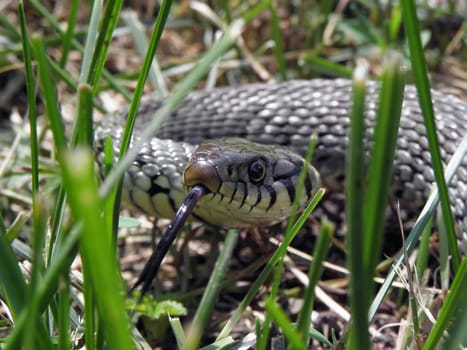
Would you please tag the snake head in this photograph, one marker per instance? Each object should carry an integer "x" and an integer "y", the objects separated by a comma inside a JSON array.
[{"x": 248, "y": 184}]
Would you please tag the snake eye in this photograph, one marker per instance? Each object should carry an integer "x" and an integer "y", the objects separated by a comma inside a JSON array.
[{"x": 257, "y": 171}]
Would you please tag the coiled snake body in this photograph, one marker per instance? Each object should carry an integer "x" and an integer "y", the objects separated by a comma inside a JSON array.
[{"x": 287, "y": 114}]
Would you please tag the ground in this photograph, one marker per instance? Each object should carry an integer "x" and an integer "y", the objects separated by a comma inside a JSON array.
[{"x": 187, "y": 269}]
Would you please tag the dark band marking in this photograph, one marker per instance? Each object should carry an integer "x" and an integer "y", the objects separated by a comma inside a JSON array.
[
  {"x": 220, "y": 180},
  {"x": 245, "y": 193},
  {"x": 220, "y": 185},
  {"x": 156, "y": 189},
  {"x": 234, "y": 192},
  {"x": 258, "y": 197},
  {"x": 290, "y": 187},
  {"x": 273, "y": 195}
]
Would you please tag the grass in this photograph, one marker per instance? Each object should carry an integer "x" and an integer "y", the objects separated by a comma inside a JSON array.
[{"x": 45, "y": 306}]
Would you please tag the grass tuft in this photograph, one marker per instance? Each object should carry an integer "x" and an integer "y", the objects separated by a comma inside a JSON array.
[{"x": 53, "y": 208}]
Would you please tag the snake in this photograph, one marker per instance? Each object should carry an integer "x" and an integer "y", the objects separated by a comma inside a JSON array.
[{"x": 257, "y": 135}]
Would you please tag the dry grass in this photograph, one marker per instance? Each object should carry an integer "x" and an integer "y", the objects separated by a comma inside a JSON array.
[{"x": 189, "y": 33}]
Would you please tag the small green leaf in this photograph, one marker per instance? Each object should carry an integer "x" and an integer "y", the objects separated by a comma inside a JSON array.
[
  {"x": 155, "y": 309},
  {"x": 128, "y": 222}
]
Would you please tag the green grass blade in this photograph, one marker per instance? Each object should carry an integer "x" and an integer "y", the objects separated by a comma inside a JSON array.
[
  {"x": 177, "y": 330},
  {"x": 395, "y": 23},
  {"x": 90, "y": 323},
  {"x": 277, "y": 38},
  {"x": 34, "y": 144},
  {"x": 324, "y": 66},
  {"x": 154, "y": 41},
  {"x": 37, "y": 339},
  {"x": 301, "y": 182},
  {"x": 423, "y": 219},
  {"x": 271, "y": 264},
  {"x": 424, "y": 250},
  {"x": 222, "y": 344},
  {"x": 64, "y": 322},
  {"x": 11, "y": 279},
  {"x": 255, "y": 11},
  {"x": 69, "y": 33},
  {"x": 131, "y": 118},
  {"x": 457, "y": 336},
  {"x": 39, "y": 216},
  {"x": 180, "y": 91},
  {"x": 56, "y": 124},
  {"x": 444, "y": 260},
  {"x": 380, "y": 168},
  {"x": 99, "y": 258},
  {"x": 3, "y": 229},
  {"x": 61, "y": 73},
  {"x": 281, "y": 319},
  {"x": 262, "y": 333},
  {"x": 57, "y": 26},
  {"x": 14, "y": 229},
  {"x": 9, "y": 26},
  {"x": 314, "y": 275},
  {"x": 138, "y": 32},
  {"x": 454, "y": 303},
  {"x": 50, "y": 96},
  {"x": 83, "y": 135},
  {"x": 52, "y": 112},
  {"x": 45, "y": 290},
  {"x": 109, "y": 22},
  {"x": 83, "y": 130},
  {"x": 354, "y": 213},
  {"x": 262, "y": 341},
  {"x": 375, "y": 200},
  {"x": 211, "y": 292},
  {"x": 412, "y": 29},
  {"x": 91, "y": 37}
]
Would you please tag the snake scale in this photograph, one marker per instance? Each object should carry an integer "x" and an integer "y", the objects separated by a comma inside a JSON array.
[{"x": 287, "y": 113}]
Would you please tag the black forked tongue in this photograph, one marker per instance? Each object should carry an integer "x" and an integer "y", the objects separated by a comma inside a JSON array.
[{"x": 152, "y": 266}]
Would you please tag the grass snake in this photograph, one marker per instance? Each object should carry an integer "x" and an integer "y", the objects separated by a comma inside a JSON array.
[{"x": 286, "y": 114}]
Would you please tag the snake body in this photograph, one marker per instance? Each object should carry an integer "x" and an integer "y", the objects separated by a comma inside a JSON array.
[{"x": 287, "y": 114}]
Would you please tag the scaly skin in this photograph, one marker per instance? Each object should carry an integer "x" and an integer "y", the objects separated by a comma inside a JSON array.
[{"x": 287, "y": 114}]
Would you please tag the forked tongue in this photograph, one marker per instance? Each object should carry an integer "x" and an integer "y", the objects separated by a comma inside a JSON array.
[{"x": 152, "y": 266}]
